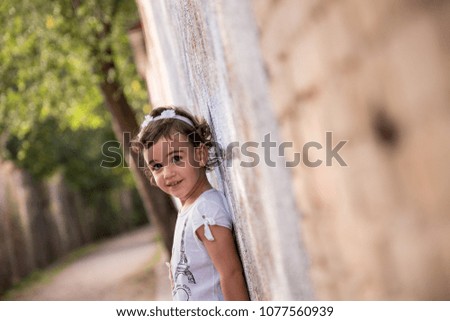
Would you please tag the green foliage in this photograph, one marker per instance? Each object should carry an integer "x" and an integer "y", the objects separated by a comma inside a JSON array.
[
  {"x": 44, "y": 72},
  {"x": 52, "y": 111}
]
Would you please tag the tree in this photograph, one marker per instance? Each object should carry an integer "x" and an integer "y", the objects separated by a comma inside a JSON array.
[{"x": 65, "y": 58}]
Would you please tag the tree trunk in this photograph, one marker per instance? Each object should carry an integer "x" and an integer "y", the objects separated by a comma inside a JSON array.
[{"x": 158, "y": 205}]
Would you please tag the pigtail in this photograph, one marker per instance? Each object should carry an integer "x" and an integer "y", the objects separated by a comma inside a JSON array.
[{"x": 215, "y": 152}]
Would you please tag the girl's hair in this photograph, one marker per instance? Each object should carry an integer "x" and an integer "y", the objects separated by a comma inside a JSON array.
[{"x": 198, "y": 134}]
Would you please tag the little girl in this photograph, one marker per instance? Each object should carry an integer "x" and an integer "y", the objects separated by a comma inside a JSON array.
[{"x": 205, "y": 264}]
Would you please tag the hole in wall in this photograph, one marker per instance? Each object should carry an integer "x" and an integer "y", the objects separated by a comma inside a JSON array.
[{"x": 385, "y": 129}]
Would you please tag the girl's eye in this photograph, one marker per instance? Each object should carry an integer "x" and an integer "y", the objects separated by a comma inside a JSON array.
[
  {"x": 177, "y": 158},
  {"x": 156, "y": 167}
]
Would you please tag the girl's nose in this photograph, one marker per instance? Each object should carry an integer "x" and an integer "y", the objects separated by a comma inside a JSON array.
[{"x": 168, "y": 171}]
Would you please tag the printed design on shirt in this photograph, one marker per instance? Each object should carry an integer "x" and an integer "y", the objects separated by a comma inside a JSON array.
[{"x": 182, "y": 271}]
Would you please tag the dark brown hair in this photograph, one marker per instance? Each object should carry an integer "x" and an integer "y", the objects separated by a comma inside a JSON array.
[{"x": 198, "y": 134}]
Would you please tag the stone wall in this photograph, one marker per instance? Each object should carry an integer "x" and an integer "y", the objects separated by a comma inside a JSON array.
[{"x": 372, "y": 74}]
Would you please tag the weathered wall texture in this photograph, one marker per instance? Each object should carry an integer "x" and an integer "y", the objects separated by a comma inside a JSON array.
[
  {"x": 205, "y": 55},
  {"x": 373, "y": 73}
]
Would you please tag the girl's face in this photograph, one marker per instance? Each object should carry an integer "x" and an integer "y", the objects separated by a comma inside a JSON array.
[{"x": 176, "y": 165}]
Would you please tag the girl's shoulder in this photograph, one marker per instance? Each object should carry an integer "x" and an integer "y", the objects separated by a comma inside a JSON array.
[
  {"x": 211, "y": 205},
  {"x": 212, "y": 198},
  {"x": 212, "y": 195}
]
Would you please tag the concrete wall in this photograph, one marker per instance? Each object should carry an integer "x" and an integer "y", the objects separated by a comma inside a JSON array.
[{"x": 374, "y": 74}]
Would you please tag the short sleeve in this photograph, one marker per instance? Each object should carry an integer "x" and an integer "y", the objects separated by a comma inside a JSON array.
[{"x": 210, "y": 213}]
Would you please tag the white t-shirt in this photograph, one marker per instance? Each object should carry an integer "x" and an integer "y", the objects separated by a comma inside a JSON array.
[{"x": 194, "y": 276}]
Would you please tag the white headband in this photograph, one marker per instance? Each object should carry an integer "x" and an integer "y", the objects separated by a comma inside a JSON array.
[{"x": 169, "y": 113}]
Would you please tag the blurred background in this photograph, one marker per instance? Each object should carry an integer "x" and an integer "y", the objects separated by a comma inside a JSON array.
[{"x": 65, "y": 67}]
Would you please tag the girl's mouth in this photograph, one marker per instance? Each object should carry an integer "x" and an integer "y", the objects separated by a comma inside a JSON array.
[{"x": 173, "y": 183}]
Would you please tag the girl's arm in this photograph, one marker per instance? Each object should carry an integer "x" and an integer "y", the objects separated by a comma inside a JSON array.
[{"x": 224, "y": 256}]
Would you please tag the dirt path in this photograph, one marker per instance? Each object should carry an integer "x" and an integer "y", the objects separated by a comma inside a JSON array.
[{"x": 129, "y": 267}]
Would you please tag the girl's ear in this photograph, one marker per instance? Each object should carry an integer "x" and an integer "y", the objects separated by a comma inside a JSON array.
[{"x": 202, "y": 155}]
